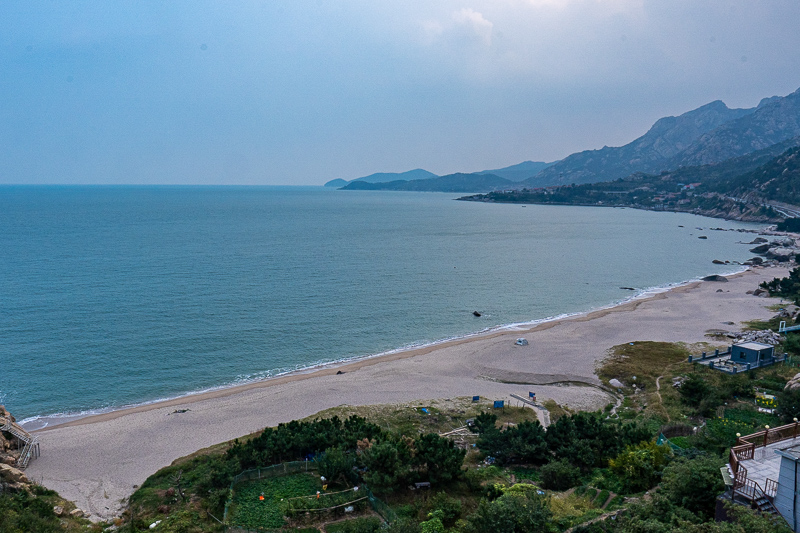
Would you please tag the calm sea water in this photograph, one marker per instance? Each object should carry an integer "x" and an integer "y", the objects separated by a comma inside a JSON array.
[{"x": 112, "y": 296}]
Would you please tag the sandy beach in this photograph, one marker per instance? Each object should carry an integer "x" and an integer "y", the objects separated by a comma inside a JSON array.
[{"x": 97, "y": 461}]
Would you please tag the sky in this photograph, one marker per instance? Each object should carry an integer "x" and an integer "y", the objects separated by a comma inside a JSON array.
[{"x": 300, "y": 92}]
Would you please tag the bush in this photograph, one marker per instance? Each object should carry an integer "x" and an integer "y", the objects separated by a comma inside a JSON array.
[
  {"x": 789, "y": 405},
  {"x": 639, "y": 467},
  {"x": 449, "y": 508},
  {"x": 387, "y": 464},
  {"x": 403, "y": 525},
  {"x": 560, "y": 475},
  {"x": 694, "y": 484},
  {"x": 694, "y": 390},
  {"x": 439, "y": 457},
  {"x": 336, "y": 465},
  {"x": 524, "y": 443},
  {"x": 484, "y": 423},
  {"x": 513, "y": 512}
]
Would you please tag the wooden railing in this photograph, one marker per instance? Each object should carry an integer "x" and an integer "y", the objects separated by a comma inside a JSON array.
[
  {"x": 758, "y": 497},
  {"x": 746, "y": 446},
  {"x": 771, "y": 488}
]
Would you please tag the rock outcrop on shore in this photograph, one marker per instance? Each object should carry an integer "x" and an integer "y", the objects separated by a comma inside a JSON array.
[{"x": 10, "y": 475}]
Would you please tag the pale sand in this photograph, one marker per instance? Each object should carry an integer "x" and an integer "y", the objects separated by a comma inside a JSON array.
[{"x": 97, "y": 461}]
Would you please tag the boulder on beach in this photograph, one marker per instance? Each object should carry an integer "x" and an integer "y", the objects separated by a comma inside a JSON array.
[
  {"x": 785, "y": 242},
  {"x": 782, "y": 254},
  {"x": 715, "y": 277},
  {"x": 760, "y": 249}
]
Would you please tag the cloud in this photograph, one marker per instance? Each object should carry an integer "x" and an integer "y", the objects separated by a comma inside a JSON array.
[
  {"x": 463, "y": 25},
  {"x": 475, "y": 24}
]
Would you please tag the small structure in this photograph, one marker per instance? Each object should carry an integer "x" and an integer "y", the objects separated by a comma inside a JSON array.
[
  {"x": 521, "y": 342},
  {"x": 753, "y": 352},
  {"x": 740, "y": 357}
]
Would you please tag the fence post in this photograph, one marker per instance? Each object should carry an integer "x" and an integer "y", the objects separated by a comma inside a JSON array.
[{"x": 766, "y": 434}]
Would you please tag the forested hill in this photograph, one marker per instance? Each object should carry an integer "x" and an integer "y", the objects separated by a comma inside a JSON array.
[
  {"x": 741, "y": 188},
  {"x": 778, "y": 180}
]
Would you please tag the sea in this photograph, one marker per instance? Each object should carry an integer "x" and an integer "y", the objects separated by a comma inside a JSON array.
[{"x": 114, "y": 296}]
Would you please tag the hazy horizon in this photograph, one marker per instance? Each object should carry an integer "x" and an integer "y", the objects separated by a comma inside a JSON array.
[{"x": 299, "y": 93}]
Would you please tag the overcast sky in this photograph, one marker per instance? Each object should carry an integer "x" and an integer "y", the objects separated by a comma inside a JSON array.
[{"x": 301, "y": 92}]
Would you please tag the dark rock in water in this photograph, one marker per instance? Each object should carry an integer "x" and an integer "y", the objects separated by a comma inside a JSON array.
[
  {"x": 627, "y": 288},
  {"x": 476, "y": 313},
  {"x": 680, "y": 226},
  {"x": 715, "y": 277},
  {"x": 762, "y": 249},
  {"x": 756, "y": 260},
  {"x": 718, "y": 262},
  {"x": 340, "y": 372},
  {"x": 759, "y": 240},
  {"x": 702, "y": 237}
]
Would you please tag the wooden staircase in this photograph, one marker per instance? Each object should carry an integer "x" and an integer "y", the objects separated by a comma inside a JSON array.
[
  {"x": 31, "y": 442},
  {"x": 759, "y": 498}
]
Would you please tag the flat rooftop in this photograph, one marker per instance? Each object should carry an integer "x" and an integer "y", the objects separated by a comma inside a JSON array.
[
  {"x": 753, "y": 345},
  {"x": 766, "y": 462}
]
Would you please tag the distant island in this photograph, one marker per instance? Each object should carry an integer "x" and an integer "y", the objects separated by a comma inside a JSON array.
[{"x": 512, "y": 174}]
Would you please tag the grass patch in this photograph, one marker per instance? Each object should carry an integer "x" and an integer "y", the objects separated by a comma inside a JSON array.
[
  {"x": 442, "y": 415},
  {"x": 601, "y": 498},
  {"x": 248, "y": 510},
  {"x": 556, "y": 411},
  {"x": 367, "y": 524},
  {"x": 644, "y": 359},
  {"x": 752, "y": 417},
  {"x": 758, "y": 325},
  {"x": 571, "y": 510},
  {"x": 33, "y": 511},
  {"x": 521, "y": 473}
]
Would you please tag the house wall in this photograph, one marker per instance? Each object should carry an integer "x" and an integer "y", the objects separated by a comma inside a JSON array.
[
  {"x": 741, "y": 354},
  {"x": 784, "y": 499}
]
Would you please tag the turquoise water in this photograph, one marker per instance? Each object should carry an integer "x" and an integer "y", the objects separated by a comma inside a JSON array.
[{"x": 112, "y": 296}]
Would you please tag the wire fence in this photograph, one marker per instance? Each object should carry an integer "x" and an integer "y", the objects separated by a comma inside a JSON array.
[{"x": 330, "y": 503}]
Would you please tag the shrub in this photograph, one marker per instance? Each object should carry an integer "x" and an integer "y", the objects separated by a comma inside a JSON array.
[
  {"x": 449, "y": 508},
  {"x": 639, "y": 467},
  {"x": 513, "y": 512},
  {"x": 336, "y": 465},
  {"x": 694, "y": 390},
  {"x": 789, "y": 405},
  {"x": 387, "y": 464},
  {"x": 439, "y": 457},
  {"x": 560, "y": 475},
  {"x": 694, "y": 484}
]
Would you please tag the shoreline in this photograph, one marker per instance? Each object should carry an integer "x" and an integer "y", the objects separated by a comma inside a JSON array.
[
  {"x": 98, "y": 461},
  {"x": 68, "y": 420}
]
